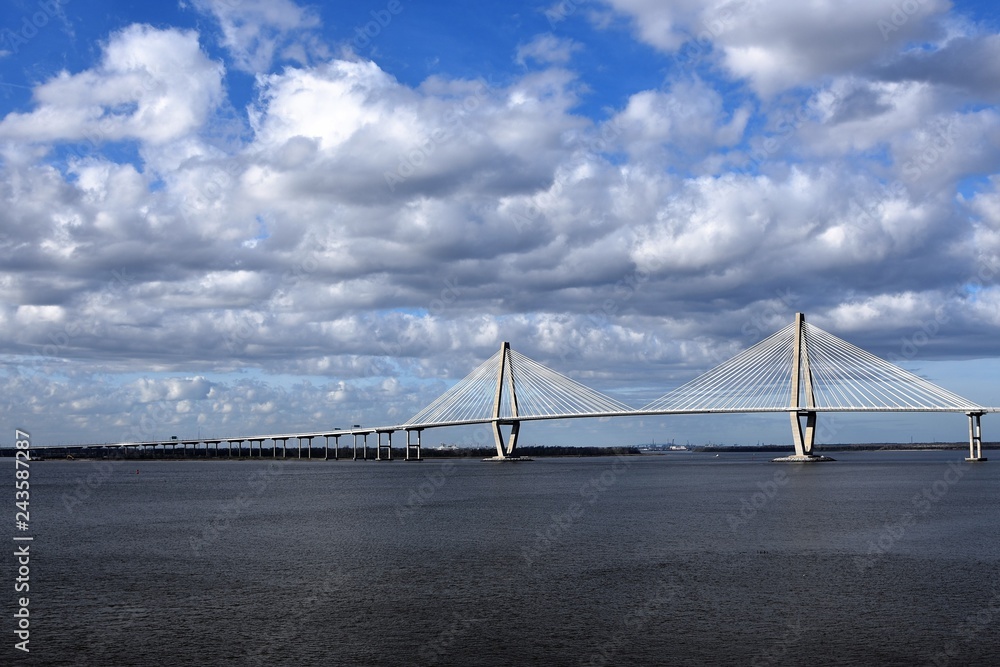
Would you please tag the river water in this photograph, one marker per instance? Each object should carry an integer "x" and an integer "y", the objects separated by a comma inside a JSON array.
[{"x": 881, "y": 558}]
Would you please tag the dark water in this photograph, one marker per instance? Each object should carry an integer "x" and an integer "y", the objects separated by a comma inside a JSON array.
[{"x": 683, "y": 559}]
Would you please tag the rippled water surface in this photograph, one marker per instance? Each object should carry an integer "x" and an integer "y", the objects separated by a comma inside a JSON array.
[{"x": 681, "y": 559}]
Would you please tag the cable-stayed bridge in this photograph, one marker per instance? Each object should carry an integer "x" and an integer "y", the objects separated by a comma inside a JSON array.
[{"x": 800, "y": 370}]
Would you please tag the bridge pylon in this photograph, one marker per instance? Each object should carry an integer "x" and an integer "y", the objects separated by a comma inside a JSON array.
[
  {"x": 975, "y": 437},
  {"x": 802, "y": 391},
  {"x": 506, "y": 447}
]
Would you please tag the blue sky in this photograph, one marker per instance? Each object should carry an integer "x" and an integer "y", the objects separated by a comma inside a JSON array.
[{"x": 246, "y": 216}]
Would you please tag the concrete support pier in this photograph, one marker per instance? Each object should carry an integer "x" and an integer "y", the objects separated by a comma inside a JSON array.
[
  {"x": 413, "y": 449},
  {"x": 508, "y": 453},
  {"x": 505, "y": 378},
  {"x": 387, "y": 447},
  {"x": 813, "y": 458},
  {"x": 975, "y": 437},
  {"x": 804, "y": 436},
  {"x": 364, "y": 446},
  {"x": 508, "y": 449},
  {"x": 309, "y": 452}
]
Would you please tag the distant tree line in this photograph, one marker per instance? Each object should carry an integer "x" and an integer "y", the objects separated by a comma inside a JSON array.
[
  {"x": 347, "y": 452},
  {"x": 845, "y": 447},
  {"x": 530, "y": 450},
  {"x": 292, "y": 452}
]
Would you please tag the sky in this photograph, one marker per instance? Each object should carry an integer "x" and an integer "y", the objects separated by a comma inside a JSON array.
[{"x": 236, "y": 217}]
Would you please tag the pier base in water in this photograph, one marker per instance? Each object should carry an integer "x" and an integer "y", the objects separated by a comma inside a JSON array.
[{"x": 808, "y": 458}]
